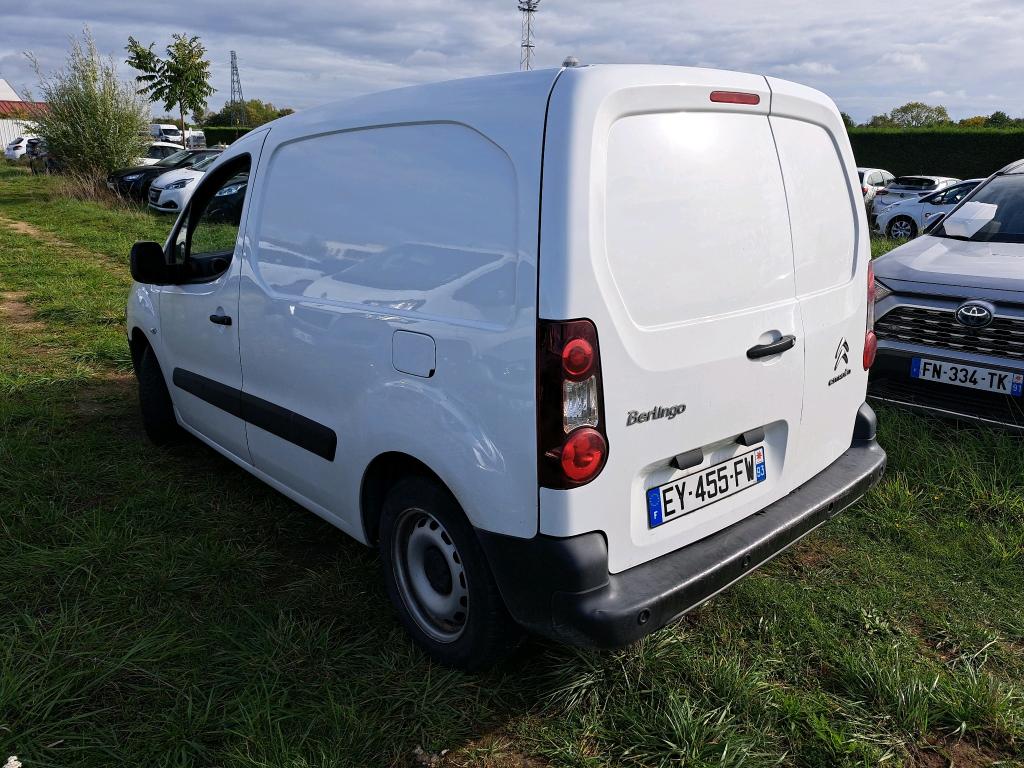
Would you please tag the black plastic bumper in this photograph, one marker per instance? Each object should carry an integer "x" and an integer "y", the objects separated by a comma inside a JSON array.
[{"x": 561, "y": 588}]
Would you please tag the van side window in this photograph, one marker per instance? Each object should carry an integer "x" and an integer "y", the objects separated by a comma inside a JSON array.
[
  {"x": 205, "y": 243},
  {"x": 418, "y": 218}
]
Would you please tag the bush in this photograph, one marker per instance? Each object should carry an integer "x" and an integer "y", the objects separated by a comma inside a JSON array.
[
  {"x": 222, "y": 134},
  {"x": 94, "y": 123},
  {"x": 961, "y": 153}
]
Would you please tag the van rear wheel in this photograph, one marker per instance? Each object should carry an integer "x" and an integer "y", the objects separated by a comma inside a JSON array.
[{"x": 439, "y": 580}]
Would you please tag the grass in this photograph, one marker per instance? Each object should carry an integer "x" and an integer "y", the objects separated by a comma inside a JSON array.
[{"x": 163, "y": 608}]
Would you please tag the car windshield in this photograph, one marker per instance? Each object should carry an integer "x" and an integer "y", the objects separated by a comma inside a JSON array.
[
  {"x": 994, "y": 214},
  {"x": 205, "y": 163},
  {"x": 172, "y": 160},
  {"x": 914, "y": 182}
]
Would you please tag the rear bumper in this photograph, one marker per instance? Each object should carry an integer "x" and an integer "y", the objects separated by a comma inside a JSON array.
[{"x": 561, "y": 588}]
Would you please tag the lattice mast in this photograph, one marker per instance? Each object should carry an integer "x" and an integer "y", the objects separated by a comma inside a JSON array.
[
  {"x": 528, "y": 8},
  {"x": 237, "y": 102}
]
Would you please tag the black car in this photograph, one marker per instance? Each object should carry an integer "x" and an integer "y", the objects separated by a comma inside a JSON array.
[{"x": 134, "y": 182}]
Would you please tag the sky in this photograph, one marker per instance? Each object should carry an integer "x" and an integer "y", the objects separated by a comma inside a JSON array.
[{"x": 869, "y": 55}]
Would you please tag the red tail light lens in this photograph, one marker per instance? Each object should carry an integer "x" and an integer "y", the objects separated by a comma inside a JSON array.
[
  {"x": 870, "y": 349},
  {"x": 583, "y": 454},
  {"x": 572, "y": 444},
  {"x": 577, "y": 358},
  {"x": 863, "y": 190},
  {"x": 870, "y": 340}
]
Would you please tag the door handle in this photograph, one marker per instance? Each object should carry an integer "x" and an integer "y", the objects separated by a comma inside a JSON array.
[
  {"x": 220, "y": 319},
  {"x": 774, "y": 348}
]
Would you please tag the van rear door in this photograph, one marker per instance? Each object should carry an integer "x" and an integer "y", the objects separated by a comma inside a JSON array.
[
  {"x": 831, "y": 251},
  {"x": 665, "y": 221}
]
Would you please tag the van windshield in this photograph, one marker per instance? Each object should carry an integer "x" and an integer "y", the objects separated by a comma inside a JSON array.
[{"x": 995, "y": 214}]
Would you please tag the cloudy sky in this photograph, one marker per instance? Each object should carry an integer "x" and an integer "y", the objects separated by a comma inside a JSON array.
[{"x": 869, "y": 55}]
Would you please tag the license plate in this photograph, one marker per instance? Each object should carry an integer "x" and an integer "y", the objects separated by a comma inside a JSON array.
[
  {"x": 987, "y": 379},
  {"x": 704, "y": 487}
]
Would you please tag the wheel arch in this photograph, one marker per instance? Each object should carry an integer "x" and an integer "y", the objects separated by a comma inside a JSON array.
[{"x": 380, "y": 475}]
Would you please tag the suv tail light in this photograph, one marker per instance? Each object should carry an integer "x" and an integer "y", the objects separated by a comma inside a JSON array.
[
  {"x": 572, "y": 445},
  {"x": 870, "y": 340}
]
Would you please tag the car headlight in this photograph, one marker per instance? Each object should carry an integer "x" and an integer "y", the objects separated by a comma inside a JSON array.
[
  {"x": 132, "y": 177},
  {"x": 230, "y": 190},
  {"x": 179, "y": 184},
  {"x": 881, "y": 290}
]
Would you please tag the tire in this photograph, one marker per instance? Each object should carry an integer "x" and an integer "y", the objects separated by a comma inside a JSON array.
[
  {"x": 901, "y": 228},
  {"x": 438, "y": 578},
  {"x": 155, "y": 401}
]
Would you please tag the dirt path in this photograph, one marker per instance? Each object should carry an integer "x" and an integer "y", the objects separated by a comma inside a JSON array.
[
  {"x": 24, "y": 228},
  {"x": 16, "y": 314}
]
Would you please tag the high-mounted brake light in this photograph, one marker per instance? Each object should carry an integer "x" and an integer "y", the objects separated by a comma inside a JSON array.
[
  {"x": 572, "y": 445},
  {"x": 735, "y": 97}
]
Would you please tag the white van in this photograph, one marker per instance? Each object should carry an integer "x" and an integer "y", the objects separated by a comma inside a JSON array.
[
  {"x": 167, "y": 132},
  {"x": 500, "y": 329},
  {"x": 195, "y": 138}
]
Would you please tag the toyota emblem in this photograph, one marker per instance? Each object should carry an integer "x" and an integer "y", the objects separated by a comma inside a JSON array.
[{"x": 975, "y": 314}]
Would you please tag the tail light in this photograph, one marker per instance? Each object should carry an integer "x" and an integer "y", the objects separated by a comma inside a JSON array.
[
  {"x": 870, "y": 340},
  {"x": 863, "y": 190},
  {"x": 572, "y": 445}
]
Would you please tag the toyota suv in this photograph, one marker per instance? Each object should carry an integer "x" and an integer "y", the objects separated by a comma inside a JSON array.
[{"x": 492, "y": 328}]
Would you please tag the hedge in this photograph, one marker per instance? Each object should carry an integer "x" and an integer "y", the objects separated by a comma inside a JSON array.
[
  {"x": 222, "y": 134},
  {"x": 961, "y": 153}
]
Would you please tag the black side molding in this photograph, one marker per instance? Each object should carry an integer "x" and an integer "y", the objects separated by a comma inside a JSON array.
[{"x": 288, "y": 425}]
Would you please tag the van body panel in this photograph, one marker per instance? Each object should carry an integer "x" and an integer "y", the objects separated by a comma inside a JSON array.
[
  {"x": 666, "y": 222},
  {"x": 416, "y": 212},
  {"x": 831, "y": 251}
]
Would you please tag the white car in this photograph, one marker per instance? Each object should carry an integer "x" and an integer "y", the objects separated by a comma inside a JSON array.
[
  {"x": 905, "y": 187},
  {"x": 872, "y": 180},
  {"x": 157, "y": 151},
  {"x": 16, "y": 149},
  {"x": 583, "y": 412},
  {"x": 908, "y": 217},
  {"x": 171, "y": 191}
]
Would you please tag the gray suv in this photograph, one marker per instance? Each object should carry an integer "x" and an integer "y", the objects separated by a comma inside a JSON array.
[{"x": 949, "y": 310}]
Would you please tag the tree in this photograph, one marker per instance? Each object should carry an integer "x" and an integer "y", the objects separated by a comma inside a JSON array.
[
  {"x": 916, "y": 114},
  {"x": 181, "y": 80},
  {"x": 880, "y": 121},
  {"x": 978, "y": 121},
  {"x": 258, "y": 112},
  {"x": 1000, "y": 119},
  {"x": 847, "y": 120},
  {"x": 94, "y": 122}
]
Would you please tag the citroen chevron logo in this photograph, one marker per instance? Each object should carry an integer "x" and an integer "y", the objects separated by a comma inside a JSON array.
[{"x": 842, "y": 354}]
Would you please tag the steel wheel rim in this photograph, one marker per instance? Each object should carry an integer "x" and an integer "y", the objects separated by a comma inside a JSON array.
[
  {"x": 431, "y": 577},
  {"x": 900, "y": 229}
]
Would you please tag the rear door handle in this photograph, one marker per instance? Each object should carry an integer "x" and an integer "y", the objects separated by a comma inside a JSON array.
[
  {"x": 774, "y": 348},
  {"x": 220, "y": 319}
]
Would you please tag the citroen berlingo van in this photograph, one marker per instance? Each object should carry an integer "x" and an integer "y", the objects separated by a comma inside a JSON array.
[{"x": 575, "y": 349}]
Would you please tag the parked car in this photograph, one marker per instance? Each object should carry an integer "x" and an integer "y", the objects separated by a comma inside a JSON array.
[
  {"x": 135, "y": 181},
  {"x": 872, "y": 180},
  {"x": 549, "y": 432},
  {"x": 17, "y": 148},
  {"x": 950, "y": 310},
  {"x": 39, "y": 158},
  {"x": 906, "y": 218},
  {"x": 907, "y": 187},
  {"x": 167, "y": 132},
  {"x": 157, "y": 151},
  {"x": 171, "y": 190}
]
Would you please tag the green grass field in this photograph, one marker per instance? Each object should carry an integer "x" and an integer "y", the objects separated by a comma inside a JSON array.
[{"x": 163, "y": 608}]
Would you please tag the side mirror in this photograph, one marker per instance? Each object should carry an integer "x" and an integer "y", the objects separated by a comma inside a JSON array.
[{"x": 149, "y": 265}]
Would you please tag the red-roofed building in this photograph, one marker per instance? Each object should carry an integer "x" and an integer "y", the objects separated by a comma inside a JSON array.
[{"x": 14, "y": 112}]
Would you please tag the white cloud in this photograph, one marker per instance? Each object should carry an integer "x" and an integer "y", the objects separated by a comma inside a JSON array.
[
  {"x": 815, "y": 68},
  {"x": 912, "y": 61}
]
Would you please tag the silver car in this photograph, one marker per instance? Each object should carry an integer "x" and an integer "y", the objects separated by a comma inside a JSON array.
[
  {"x": 905, "y": 187},
  {"x": 949, "y": 310}
]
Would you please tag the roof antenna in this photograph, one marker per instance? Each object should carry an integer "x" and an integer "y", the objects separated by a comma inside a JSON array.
[{"x": 528, "y": 8}]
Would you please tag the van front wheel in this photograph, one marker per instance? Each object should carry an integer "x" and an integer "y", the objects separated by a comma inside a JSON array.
[{"x": 439, "y": 580}]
